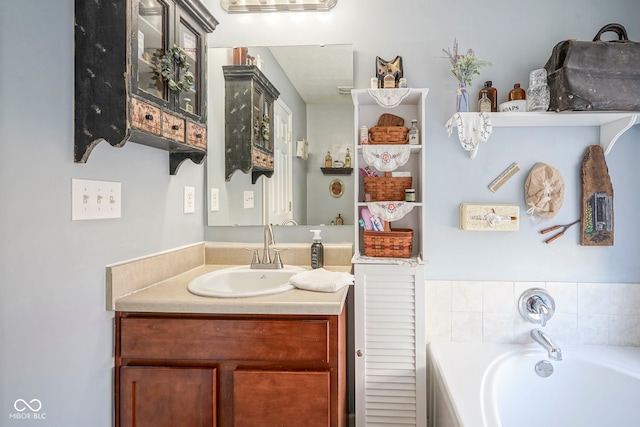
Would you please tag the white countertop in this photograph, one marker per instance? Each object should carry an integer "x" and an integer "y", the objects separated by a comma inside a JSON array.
[{"x": 172, "y": 296}]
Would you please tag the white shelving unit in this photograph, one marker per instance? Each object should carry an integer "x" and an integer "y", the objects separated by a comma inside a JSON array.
[
  {"x": 366, "y": 113},
  {"x": 613, "y": 124},
  {"x": 389, "y": 299}
]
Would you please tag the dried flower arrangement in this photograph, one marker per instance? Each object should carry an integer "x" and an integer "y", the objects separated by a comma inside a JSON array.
[{"x": 464, "y": 67}]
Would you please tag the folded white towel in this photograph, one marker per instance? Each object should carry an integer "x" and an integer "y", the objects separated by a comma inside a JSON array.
[{"x": 321, "y": 280}]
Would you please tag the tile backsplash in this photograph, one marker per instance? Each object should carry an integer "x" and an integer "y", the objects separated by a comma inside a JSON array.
[{"x": 484, "y": 311}]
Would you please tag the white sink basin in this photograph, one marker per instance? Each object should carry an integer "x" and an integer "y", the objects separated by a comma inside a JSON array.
[{"x": 242, "y": 281}]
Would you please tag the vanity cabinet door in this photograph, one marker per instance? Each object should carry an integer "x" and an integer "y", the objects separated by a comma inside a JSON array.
[
  {"x": 288, "y": 399},
  {"x": 157, "y": 397}
]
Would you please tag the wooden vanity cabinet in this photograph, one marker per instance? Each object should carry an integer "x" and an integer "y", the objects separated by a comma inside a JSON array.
[
  {"x": 119, "y": 93},
  {"x": 230, "y": 370},
  {"x": 157, "y": 396},
  {"x": 249, "y": 98}
]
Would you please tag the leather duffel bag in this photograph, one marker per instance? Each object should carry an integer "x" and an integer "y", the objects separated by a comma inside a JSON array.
[{"x": 597, "y": 75}]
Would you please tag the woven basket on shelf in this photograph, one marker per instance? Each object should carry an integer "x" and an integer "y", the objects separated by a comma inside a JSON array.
[
  {"x": 386, "y": 188},
  {"x": 388, "y": 135},
  {"x": 397, "y": 243},
  {"x": 387, "y": 119}
]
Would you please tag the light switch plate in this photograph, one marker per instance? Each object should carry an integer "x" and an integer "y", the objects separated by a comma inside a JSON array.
[
  {"x": 248, "y": 199},
  {"x": 189, "y": 200},
  {"x": 95, "y": 199},
  {"x": 214, "y": 199}
]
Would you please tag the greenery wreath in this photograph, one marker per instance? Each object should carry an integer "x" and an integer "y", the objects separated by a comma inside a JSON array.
[
  {"x": 174, "y": 69},
  {"x": 266, "y": 133}
]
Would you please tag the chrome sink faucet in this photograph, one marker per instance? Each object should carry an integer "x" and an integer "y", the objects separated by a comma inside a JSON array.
[
  {"x": 266, "y": 262},
  {"x": 268, "y": 240},
  {"x": 543, "y": 339}
]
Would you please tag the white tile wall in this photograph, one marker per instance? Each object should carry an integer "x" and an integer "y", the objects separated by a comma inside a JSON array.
[{"x": 586, "y": 313}]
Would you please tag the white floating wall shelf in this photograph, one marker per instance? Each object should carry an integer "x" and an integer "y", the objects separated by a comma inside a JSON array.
[{"x": 612, "y": 124}]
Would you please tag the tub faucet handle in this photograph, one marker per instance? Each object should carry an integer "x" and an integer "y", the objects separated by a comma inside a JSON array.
[
  {"x": 536, "y": 305},
  {"x": 539, "y": 306}
]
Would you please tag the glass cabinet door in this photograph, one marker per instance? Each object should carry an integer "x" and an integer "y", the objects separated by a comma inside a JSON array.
[
  {"x": 152, "y": 30},
  {"x": 258, "y": 102},
  {"x": 190, "y": 41}
]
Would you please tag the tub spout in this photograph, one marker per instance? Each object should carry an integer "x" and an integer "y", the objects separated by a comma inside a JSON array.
[{"x": 543, "y": 339}]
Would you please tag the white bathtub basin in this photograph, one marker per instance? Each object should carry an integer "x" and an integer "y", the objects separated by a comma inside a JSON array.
[
  {"x": 495, "y": 385},
  {"x": 242, "y": 281},
  {"x": 587, "y": 388}
]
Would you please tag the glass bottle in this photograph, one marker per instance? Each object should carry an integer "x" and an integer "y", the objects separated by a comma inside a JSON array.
[
  {"x": 462, "y": 98},
  {"x": 484, "y": 104},
  {"x": 364, "y": 135},
  {"x": 492, "y": 94},
  {"x": 389, "y": 81},
  {"x": 517, "y": 93},
  {"x": 188, "y": 106},
  {"x": 414, "y": 133},
  {"x": 339, "y": 220},
  {"x": 538, "y": 93},
  {"x": 328, "y": 161},
  {"x": 347, "y": 159}
]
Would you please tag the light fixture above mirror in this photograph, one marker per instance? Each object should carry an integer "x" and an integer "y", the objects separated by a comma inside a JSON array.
[{"x": 243, "y": 6}]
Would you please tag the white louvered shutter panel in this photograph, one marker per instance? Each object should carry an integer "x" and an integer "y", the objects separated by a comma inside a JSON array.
[{"x": 390, "y": 346}]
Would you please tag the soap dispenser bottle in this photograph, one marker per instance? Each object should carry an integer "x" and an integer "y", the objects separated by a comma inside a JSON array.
[{"x": 317, "y": 250}]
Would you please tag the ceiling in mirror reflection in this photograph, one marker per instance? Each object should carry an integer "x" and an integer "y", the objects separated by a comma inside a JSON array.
[{"x": 319, "y": 73}]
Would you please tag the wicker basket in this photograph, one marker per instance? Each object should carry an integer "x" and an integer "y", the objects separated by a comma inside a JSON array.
[
  {"x": 387, "y": 119},
  {"x": 387, "y": 188},
  {"x": 397, "y": 243},
  {"x": 388, "y": 135}
]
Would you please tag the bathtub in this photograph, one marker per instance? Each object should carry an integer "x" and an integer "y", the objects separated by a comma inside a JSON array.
[{"x": 495, "y": 385}]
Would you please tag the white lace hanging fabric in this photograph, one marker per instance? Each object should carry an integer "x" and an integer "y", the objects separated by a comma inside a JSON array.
[
  {"x": 390, "y": 211},
  {"x": 386, "y": 158},
  {"x": 389, "y": 98},
  {"x": 472, "y": 130}
]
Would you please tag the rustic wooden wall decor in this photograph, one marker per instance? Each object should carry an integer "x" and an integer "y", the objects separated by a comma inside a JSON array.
[
  {"x": 249, "y": 142},
  {"x": 597, "y": 199}
]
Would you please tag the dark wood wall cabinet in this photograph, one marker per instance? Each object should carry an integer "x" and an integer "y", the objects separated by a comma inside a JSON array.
[
  {"x": 230, "y": 370},
  {"x": 249, "y": 98},
  {"x": 121, "y": 94}
]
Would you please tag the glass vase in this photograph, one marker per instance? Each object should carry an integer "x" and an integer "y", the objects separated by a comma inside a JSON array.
[
  {"x": 538, "y": 93},
  {"x": 462, "y": 98}
]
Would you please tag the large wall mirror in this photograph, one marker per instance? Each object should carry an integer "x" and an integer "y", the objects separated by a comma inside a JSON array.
[{"x": 314, "y": 84}]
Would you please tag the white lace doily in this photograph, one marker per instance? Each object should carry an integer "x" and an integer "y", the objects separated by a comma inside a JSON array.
[
  {"x": 389, "y": 98},
  {"x": 386, "y": 158},
  {"x": 390, "y": 211},
  {"x": 472, "y": 130}
]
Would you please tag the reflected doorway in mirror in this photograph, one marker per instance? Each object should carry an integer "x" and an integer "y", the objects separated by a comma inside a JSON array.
[{"x": 278, "y": 205}]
